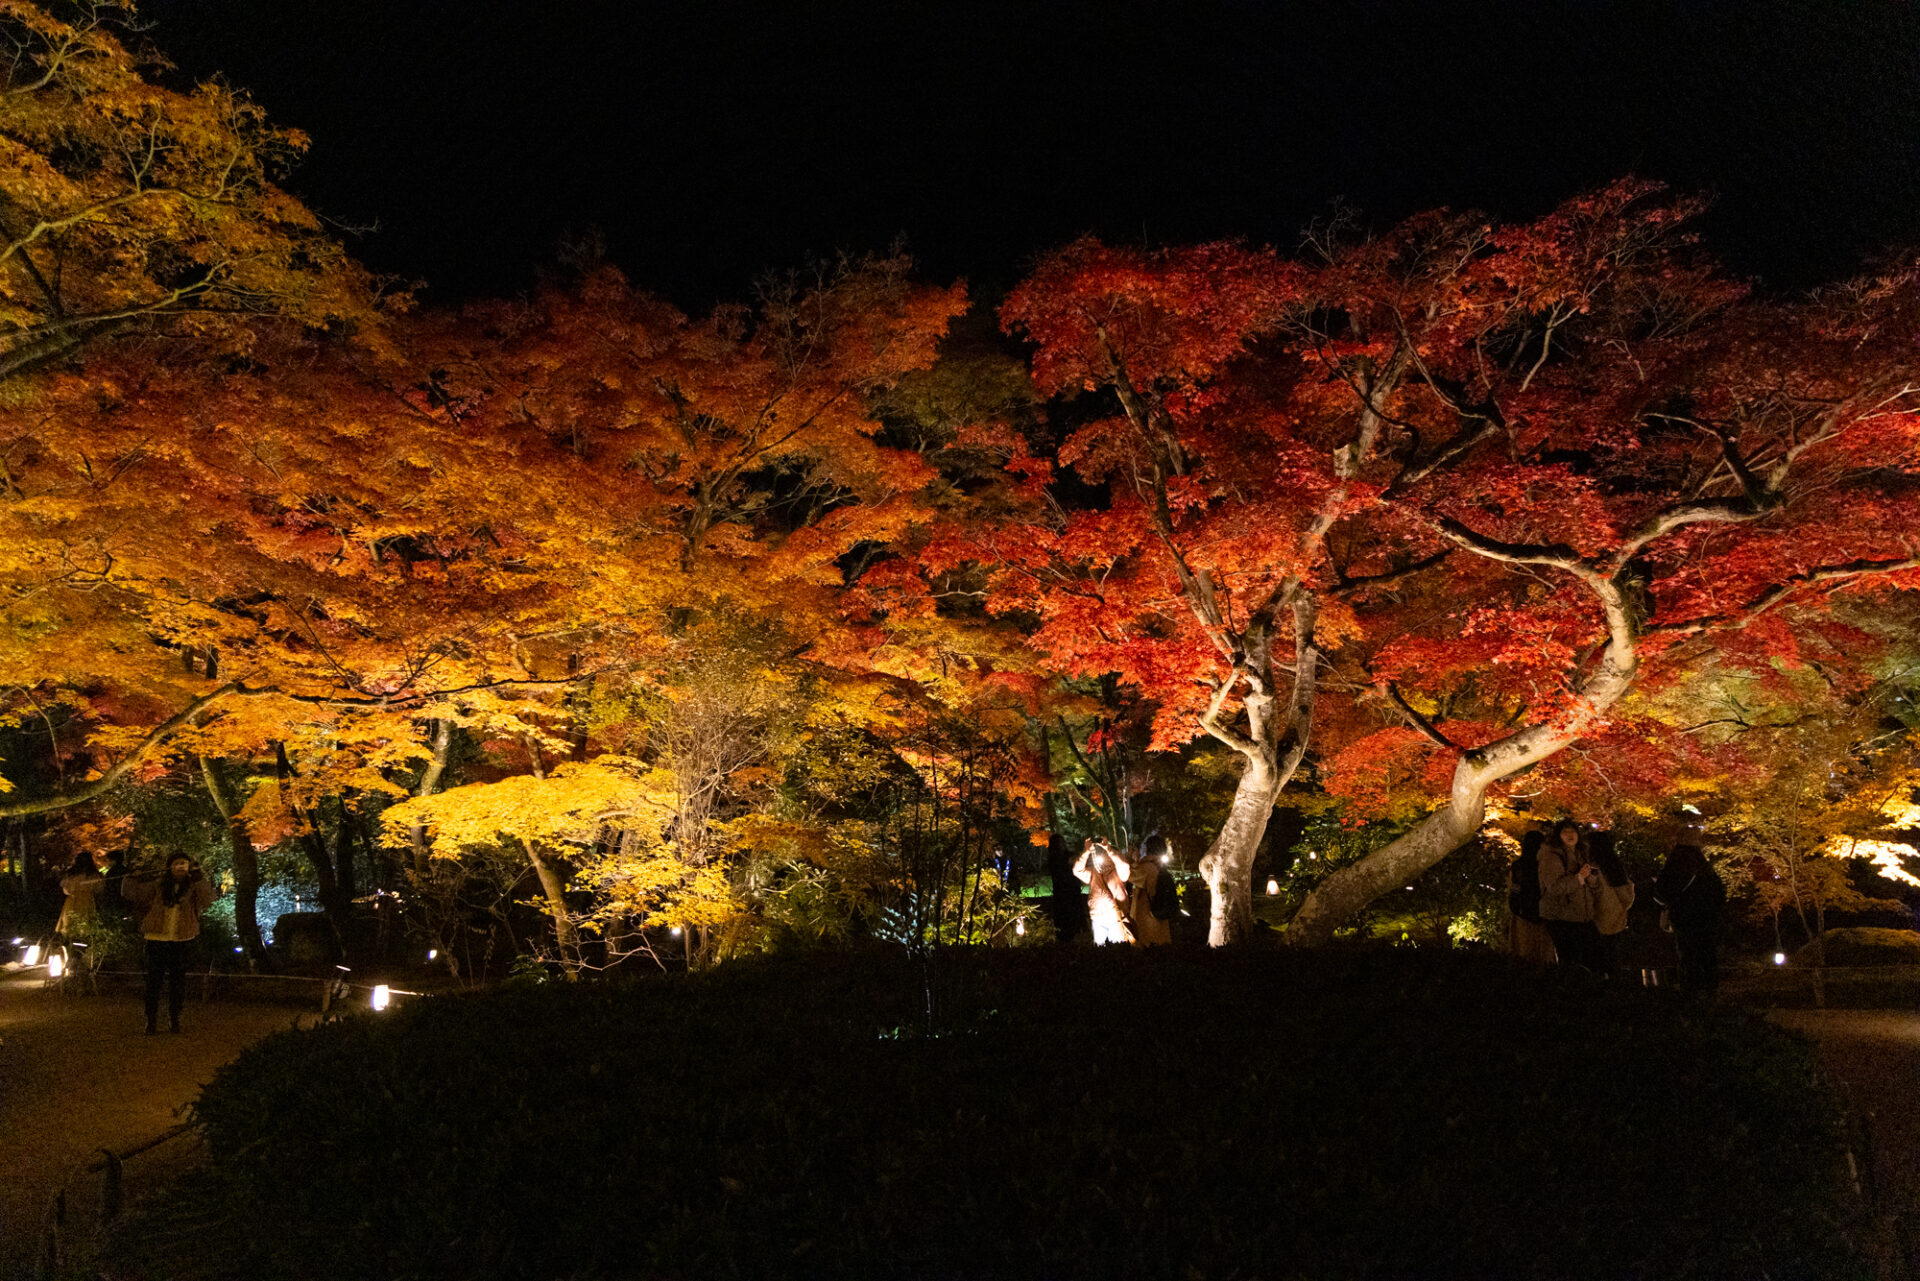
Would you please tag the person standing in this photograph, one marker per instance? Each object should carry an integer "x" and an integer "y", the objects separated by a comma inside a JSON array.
[
  {"x": 1612, "y": 892},
  {"x": 1695, "y": 903},
  {"x": 1566, "y": 900},
  {"x": 1527, "y": 936},
  {"x": 1152, "y": 900},
  {"x": 170, "y": 907},
  {"x": 1105, "y": 875},
  {"x": 83, "y": 885}
]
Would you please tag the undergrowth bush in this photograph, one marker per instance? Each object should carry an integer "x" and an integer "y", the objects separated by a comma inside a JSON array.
[{"x": 1043, "y": 1113}]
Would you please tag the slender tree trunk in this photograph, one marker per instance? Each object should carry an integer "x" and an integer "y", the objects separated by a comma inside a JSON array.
[
  {"x": 429, "y": 783},
  {"x": 332, "y": 901},
  {"x": 554, "y": 886},
  {"x": 246, "y": 868},
  {"x": 1820, "y": 956}
]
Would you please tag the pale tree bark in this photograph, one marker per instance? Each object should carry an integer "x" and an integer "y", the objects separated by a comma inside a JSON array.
[
  {"x": 429, "y": 783},
  {"x": 1611, "y": 580},
  {"x": 1341, "y": 896},
  {"x": 1274, "y": 740},
  {"x": 554, "y": 886}
]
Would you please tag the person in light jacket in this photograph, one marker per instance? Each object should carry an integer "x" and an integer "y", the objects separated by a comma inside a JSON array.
[
  {"x": 169, "y": 907},
  {"x": 84, "y": 884},
  {"x": 1105, "y": 874},
  {"x": 1566, "y": 900}
]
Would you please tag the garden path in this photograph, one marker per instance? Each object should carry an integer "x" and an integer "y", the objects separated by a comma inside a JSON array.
[
  {"x": 77, "y": 1074},
  {"x": 1875, "y": 1056}
]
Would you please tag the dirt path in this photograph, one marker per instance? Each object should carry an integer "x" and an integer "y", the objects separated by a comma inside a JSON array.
[
  {"x": 77, "y": 1074},
  {"x": 1875, "y": 1056}
]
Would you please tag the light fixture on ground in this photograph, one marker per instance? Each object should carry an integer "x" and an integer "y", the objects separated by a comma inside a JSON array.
[
  {"x": 1273, "y": 887},
  {"x": 56, "y": 965},
  {"x": 382, "y": 996},
  {"x": 32, "y": 957},
  {"x": 1779, "y": 958}
]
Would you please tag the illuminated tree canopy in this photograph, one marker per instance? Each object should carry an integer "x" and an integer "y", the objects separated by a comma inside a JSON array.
[{"x": 787, "y": 616}]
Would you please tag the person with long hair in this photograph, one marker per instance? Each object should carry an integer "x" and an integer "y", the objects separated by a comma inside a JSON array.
[
  {"x": 84, "y": 884},
  {"x": 1566, "y": 902},
  {"x": 1695, "y": 902},
  {"x": 1105, "y": 875},
  {"x": 1150, "y": 891},
  {"x": 1612, "y": 891},
  {"x": 170, "y": 905},
  {"x": 1527, "y": 936}
]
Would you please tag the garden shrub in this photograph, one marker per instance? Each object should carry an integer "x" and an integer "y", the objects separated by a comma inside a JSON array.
[
  {"x": 1859, "y": 945},
  {"x": 1032, "y": 1113}
]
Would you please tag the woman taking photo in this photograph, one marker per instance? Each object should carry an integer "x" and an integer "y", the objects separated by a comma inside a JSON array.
[{"x": 169, "y": 906}]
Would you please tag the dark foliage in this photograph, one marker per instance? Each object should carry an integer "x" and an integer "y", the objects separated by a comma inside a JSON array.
[{"x": 1060, "y": 1113}]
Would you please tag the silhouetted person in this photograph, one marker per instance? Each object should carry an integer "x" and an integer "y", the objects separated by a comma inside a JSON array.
[
  {"x": 170, "y": 906},
  {"x": 1152, "y": 901},
  {"x": 1696, "y": 903},
  {"x": 1566, "y": 902},
  {"x": 1527, "y": 936},
  {"x": 1066, "y": 905},
  {"x": 1612, "y": 899}
]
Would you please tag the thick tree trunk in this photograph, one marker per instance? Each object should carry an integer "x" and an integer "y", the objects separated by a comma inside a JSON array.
[
  {"x": 1341, "y": 896},
  {"x": 554, "y": 886},
  {"x": 1228, "y": 866},
  {"x": 246, "y": 869}
]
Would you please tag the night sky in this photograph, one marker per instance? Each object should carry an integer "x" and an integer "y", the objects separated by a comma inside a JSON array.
[{"x": 711, "y": 140}]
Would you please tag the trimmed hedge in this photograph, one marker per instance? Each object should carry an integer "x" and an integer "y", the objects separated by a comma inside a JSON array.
[{"x": 1074, "y": 1113}]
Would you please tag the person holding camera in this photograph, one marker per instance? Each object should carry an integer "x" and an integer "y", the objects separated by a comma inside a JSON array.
[
  {"x": 1105, "y": 875},
  {"x": 169, "y": 905},
  {"x": 1566, "y": 898}
]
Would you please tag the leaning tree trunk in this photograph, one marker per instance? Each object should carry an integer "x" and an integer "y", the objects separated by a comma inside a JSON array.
[
  {"x": 246, "y": 869},
  {"x": 554, "y": 886},
  {"x": 1343, "y": 895}
]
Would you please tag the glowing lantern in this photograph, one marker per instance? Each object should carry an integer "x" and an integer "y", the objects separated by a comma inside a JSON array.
[
  {"x": 33, "y": 955},
  {"x": 1020, "y": 927},
  {"x": 56, "y": 965},
  {"x": 382, "y": 996},
  {"x": 1273, "y": 888},
  {"x": 1779, "y": 958}
]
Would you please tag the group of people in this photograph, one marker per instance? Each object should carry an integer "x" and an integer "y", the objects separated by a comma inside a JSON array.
[
  {"x": 1129, "y": 900},
  {"x": 167, "y": 906},
  {"x": 1569, "y": 895}
]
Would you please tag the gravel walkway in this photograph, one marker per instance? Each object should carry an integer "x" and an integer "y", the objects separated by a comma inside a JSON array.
[
  {"x": 77, "y": 1074},
  {"x": 1875, "y": 1056}
]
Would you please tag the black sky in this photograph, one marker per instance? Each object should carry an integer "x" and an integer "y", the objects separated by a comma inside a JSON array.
[{"x": 710, "y": 140}]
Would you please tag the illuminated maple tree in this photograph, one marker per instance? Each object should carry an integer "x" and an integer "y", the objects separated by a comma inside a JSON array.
[{"x": 1472, "y": 478}]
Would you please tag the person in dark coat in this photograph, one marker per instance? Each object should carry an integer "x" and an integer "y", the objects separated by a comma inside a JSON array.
[
  {"x": 1612, "y": 892},
  {"x": 1527, "y": 936},
  {"x": 1696, "y": 906}
]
